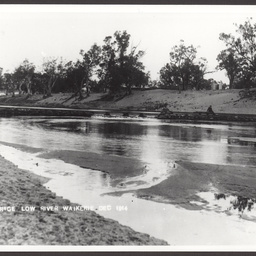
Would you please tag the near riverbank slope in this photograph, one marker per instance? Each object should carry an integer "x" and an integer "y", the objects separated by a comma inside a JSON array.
[{"x": 222, "y": 101}]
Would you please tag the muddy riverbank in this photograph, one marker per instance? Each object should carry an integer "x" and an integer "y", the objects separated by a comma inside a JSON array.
[
  {"x": 181, "y": 188},
  {"x": 184, "y": 182},
  {"x": 21, "y": 189},
  {"x": 116, "y": 166}
]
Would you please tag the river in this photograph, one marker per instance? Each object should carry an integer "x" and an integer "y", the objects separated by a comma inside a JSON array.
[{"x": 156, "y": 142}]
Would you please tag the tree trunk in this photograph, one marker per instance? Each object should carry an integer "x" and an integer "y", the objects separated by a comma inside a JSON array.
[
  {"x": 87, "y": 88},
  {"x": 50, "y": 85},
  {"x": 183, "y": 86},
  {"x": 130, "y": 90},
  {"x": 28, "y": 85},
  {"x": 20, "y": 85},
  {"x": 80, "y": 89},
  {"x": 13, "y": 90},
  {"x": 231, "y": 82},
  {"x": 49, "y": 88}
]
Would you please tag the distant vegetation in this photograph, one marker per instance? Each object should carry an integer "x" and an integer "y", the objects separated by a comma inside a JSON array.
[{"x": 115, "y": 67}]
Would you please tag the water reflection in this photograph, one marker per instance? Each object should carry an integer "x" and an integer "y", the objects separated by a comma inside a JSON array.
[
  {"x": 151, "y": 148},
  {"x": 242, "y": 141},
  {"x": 147, "y": 140},
  {"x": 181, "y": 133},
  {"x": 214, "y": 153}
]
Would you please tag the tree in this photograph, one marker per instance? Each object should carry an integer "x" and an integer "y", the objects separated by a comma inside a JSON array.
[
  {"x": 23, "y": 76},
  {"x": 52, "y": 71},
  {"x": 228, "y": 61},
  {"x": 182, "y": 58},
  {"x": 39, "y": 82},
  {"x": 183, "y": 71},
  {"x": 240, "y": 55},
  {"x": 198, "y": 72},
  {"x": 133, "y": 70},
  {"x": 1, "y": 79},
  {"x": 118, "y": 66},
  {"x": 113, "y": 60},
  {"x": 73, "y": 76},
  {"x": 9, "y": 84},
  {"x": 87, "y": 67},
  {"x": 153, "y": 83},
  {"x": 79, "y": 74},
  {"x": 107, "y": 63},
  {"x": 168, "y": 77}
]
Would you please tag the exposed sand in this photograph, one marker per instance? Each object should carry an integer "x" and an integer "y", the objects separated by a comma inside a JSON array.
[
  {"x": 191, "y": 178},
  {"x": 222, "y": 101},
  {"x": 20, "y": 188},
  {"x": 117, "y": 166},
  {"x": 180, "y": 188}
]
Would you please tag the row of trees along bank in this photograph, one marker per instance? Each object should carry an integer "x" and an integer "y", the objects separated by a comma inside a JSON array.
[
  {"x": 116, "y": 66},
  {"x": 111, "y": 66}
]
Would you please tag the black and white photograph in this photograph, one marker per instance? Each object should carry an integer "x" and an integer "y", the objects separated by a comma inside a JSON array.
[{"x": 128, "y": 127}]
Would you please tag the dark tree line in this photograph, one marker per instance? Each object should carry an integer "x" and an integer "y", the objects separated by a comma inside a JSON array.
[{"x": 114, "y": 66}]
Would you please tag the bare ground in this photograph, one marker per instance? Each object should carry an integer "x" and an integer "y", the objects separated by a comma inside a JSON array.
[
  {"x": 116, "y": 166},
  {"x": 222, "y": 101},
  {"x": 190, "y": 178}
]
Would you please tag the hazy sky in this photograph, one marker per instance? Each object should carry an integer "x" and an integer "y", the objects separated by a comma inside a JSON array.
[{"x": 39, "y": 31}]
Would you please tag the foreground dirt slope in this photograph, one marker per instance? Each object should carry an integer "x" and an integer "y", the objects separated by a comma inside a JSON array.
[{"x": 222, "y": 101}]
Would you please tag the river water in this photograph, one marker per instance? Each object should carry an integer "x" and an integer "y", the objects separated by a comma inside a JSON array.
[{"x": 156, "y": 142}]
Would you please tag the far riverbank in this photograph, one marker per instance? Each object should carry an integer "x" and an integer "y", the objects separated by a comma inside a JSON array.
[
  {"x": 222, "y": 101},
  {"x": 238, "y": 110}
]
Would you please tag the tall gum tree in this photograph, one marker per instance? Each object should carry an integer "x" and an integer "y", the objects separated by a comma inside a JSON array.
[
  {"x": 121, "y": 67},
  {"x": 228, "y": 61},
  {"x": 107, "y": 63},
  {"x": 81, "y": 72},
  {"x": 53, "y": 69},
  {"x": 184, "y": 70},
  {"x": 87, "y": 67},
  {"x": 242, "y": 46},
  {"x": 23, "y": 76},
  {"x": 9, "y": 84}
]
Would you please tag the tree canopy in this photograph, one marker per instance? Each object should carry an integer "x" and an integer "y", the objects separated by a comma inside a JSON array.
[
  {"x": 184, "y": 71},
  {"x": 23, "y": 76},
  {"x": 239, "y": 57},
  {"x": 121, "y": 67}
]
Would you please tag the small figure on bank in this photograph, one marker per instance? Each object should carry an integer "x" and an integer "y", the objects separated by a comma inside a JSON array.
[{"x": 210, "y": 111}]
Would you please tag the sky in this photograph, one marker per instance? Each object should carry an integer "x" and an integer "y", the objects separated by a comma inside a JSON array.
[{"x": 35, "y": 32}]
